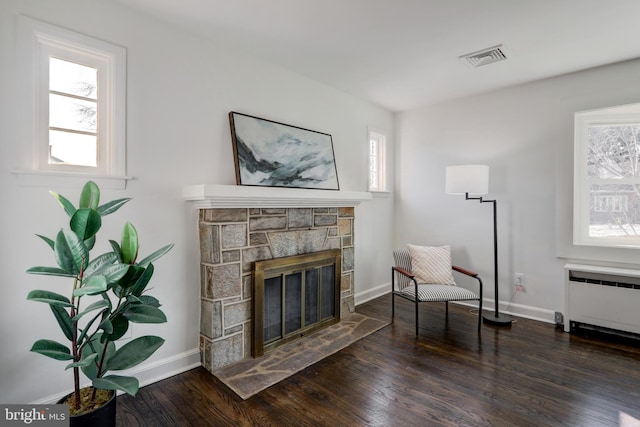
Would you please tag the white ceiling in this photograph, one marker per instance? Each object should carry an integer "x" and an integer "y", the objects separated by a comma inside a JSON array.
[{"x": 403, "y": 54}]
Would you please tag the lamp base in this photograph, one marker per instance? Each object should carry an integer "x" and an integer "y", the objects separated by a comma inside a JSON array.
[{"x": 499, "y": 320}]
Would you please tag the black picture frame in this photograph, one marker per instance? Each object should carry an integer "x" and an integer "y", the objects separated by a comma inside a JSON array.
[{"x": 274, "y": 154}]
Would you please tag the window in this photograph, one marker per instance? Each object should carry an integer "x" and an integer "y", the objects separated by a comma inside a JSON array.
[
  {"x": 607, "y": 177},
  {"x": 73, "y": 98},
  {"x": 377, "y": 161}
]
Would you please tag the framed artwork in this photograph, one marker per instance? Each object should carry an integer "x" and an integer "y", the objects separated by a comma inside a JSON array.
[{"x": 273, "y": 154}]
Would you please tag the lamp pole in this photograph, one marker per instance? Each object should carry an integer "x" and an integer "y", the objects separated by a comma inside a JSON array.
[{"x": 495, "y": 318}]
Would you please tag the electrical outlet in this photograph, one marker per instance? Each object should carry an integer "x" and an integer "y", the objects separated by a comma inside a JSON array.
[{"x": 519, "y": 282}]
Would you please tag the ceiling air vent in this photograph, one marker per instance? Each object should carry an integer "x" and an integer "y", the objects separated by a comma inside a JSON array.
[{"x": 484, "y": 56}]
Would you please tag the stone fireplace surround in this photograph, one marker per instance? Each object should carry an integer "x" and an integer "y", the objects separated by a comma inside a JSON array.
[{"x": 239, "y": 225}]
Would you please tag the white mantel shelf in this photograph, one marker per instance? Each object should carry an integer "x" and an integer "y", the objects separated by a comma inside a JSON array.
[{"x": 207, "y": 196}]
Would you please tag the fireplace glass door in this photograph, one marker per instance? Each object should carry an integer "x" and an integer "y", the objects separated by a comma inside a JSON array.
[{"x": 298, "y": 295}]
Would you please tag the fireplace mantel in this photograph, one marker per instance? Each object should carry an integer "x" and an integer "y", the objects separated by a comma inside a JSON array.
[{"x": 206, "y": 196}]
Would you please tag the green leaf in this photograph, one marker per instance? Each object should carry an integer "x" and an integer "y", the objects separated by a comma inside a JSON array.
[
  {"x": 143, "y": 281},
  {"x": 50, "y": 271},
  {"x": 129, "y": 385},
  {"x": 47, "y": 240},
  {"x": 134, "y": 352},
  {"x": 86, "y": 360},
  {"x": 116, "y": 249},
  {"x": 144, "y": 314},
  {"x": 115, "y": 272},
  {"x": 149, "y": 300},
  {"x": 71, "y": 253},
  {"x": 90, "y": 196},
  {"x": 66, "y": 204},
  {"x": 90, "y": 242},
  {"x": 98, "y": 305},
  {"x": 96, "y": 346},
  {"x": 112, "y": 206},
  {"x": 49, "y": 297},
  {"x": 93, "y": 286},
  {"x": 155, "y": 255},
  {"x": 129, "y": 244},
  {"x": 98, "y": 263},
  {"x": 120, "y": 326},
  {"x": 64, "y": 320},
  {"x": 86, "y": 223},
  {"x": 52, "y": 349},
  {"x": 107, "y": 326}
]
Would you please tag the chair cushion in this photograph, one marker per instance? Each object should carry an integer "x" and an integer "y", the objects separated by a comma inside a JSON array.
[
  {"x": 439, "y": 293},
  {"x": 431, "y": 264}
]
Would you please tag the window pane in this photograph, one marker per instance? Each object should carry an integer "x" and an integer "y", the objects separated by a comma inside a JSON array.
[
  {"x": 72, "y": 78},
  {"x": 615, "y": 211},
  {"x": 72, "y": 148},
  {"x": 71, "y": 113},
  {"x": 613, "y": 151}
]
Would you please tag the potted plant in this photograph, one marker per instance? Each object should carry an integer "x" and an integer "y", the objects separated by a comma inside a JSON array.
[{"x": 107, "y": 292}]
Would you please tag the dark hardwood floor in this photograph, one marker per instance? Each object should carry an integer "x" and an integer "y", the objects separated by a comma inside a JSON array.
[{"x": 530, "y": 374}]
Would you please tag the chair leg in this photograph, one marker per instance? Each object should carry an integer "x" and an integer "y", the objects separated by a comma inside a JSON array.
[
  {"x": 479, "y": 314},
  {"x": 446, "y": 308},
  {"x": 417, "y": 305},
  {"x": 393, "y": 305}
]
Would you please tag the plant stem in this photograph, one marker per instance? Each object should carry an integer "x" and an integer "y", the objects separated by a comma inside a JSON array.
[{"x": 100, "y": 365}]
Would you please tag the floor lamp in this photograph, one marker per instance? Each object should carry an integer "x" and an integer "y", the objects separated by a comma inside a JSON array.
[{"x": 474, "y": 180}]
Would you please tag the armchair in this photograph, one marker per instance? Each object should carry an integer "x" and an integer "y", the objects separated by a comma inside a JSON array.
[{"x": 412, "y": 286}]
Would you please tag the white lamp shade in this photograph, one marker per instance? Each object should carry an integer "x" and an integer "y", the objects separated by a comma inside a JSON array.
[{"x": 472, "y": 179}]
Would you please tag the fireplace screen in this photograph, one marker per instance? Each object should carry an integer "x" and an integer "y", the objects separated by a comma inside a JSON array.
[{"x": 294, "y": 296}]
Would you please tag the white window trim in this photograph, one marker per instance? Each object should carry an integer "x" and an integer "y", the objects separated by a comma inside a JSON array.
[
  {"x": 581, "y": 183},
  {"x": 36, "y": 40},
  {"x": 382, "y": 186}
]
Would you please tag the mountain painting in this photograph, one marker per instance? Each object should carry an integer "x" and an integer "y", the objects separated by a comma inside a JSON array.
[{"x": 274, "y": 154}]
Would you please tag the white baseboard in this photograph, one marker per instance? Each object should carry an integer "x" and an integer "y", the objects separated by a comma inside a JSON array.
[
  {"x": 369, "y": 294},
  {"x": 520, "y": 310},
  {"x": 148, "y": 373}
]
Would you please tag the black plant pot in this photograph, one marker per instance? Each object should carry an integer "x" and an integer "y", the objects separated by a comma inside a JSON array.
[{"x": 104, "y": 416}]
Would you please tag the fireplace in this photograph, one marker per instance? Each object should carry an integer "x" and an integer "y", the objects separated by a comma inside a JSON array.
[
  {"x": 294, "y": 296},
  {"x": 241, "y": 225}
]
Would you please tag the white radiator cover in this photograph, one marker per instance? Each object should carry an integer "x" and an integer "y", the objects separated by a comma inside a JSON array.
[{"x": 611, "y": 307}]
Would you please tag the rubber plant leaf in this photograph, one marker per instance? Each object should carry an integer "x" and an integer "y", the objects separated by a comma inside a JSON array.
[
  {"x": 120, "y": 326},
  {"x": 86, "y": 223},
  {"x": 129, "y": 244},
  {"x": 64, "y": 320},
  {"x": 155, "y": 255},
  {"x": 50, "y": 271},
  {"x": 98, "y": 305},
  {"x": 71, "y": 253},
  {"x": 95, "y": 285},
  {"x": 143, "y": 281},
  {"x": 129, "y": 385},
  {"x": 47, "y": 240},
  {"x": 90, "y": 196},
  {"x": 52, "y": 349},
  {"x": 112, "y": 206},
  {"x": 49, "y": 297},
  {"x": 138, "y": 313},
  {"x": 66, "y": 204},
  {"x": 87, "y": 359},
  {"x": 96, "y": 346},
  {"x": 134, "y": 352}
]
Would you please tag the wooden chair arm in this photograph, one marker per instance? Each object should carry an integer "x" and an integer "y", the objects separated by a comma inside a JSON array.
[
  {"x": 404, "y": 272},
  {"x": 464, "y": 271}
]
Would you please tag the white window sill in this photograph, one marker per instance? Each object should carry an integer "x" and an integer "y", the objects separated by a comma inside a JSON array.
[{"x": 54, "y": 179}]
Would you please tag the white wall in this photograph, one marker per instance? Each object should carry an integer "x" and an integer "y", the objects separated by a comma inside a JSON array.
[
  {"x": 180, "y": 90},
  {"x": 525, "y": 135}
]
